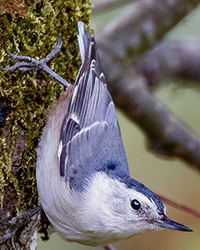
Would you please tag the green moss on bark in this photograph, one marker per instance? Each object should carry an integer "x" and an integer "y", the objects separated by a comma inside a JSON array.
[{"x": 29, "y": 94}]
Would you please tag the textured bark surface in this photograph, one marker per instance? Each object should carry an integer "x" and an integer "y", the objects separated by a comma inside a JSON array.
[{"x": 30, "y": 28}]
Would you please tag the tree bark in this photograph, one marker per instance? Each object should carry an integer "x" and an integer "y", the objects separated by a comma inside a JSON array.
[{"x": 30, "y": 28}]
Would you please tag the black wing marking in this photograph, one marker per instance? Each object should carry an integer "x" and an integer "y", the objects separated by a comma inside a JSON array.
[
  {"x": 97, "y": 149},
  {"x": 91, "y": 105},
  {"x": 72, "y": 129}
]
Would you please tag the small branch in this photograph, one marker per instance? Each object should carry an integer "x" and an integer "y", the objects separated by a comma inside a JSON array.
[
  {"x": 179, "y": 206},
  {"x": 167, "y": 135},
  {"x": 108, "y": 5},
  {"x": 172, "y": 59},
  {"x": 134, "y": 32},
  {"x": 142, "y": 25}
]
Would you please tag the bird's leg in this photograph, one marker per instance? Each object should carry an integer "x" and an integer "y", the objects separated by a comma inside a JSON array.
[
  {"x": 29, "y": 63},
  {"x": 17, "y": 222}
]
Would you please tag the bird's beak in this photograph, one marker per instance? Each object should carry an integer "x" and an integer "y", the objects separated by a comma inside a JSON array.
[{"x": 167, "y": 223}]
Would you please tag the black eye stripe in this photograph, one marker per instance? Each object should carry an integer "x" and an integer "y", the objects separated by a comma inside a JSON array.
[{"x": 135, "y": 204}]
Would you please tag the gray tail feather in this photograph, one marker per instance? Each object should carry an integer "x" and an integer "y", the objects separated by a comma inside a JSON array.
[{"x": 83, "y": 39}]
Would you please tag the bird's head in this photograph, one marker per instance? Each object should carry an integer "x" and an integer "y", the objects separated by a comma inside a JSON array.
[
  {"x": 148, "y": 210},
  {"x": 120, "y": 209}
]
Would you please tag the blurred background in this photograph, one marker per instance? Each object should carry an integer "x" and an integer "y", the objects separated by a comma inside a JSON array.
[{"x": 172, "y": 179}]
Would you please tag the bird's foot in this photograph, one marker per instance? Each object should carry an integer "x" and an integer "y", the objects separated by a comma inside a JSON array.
[
  {"x": 29, "y": 63},
  {"x": 17, "y": 222}
]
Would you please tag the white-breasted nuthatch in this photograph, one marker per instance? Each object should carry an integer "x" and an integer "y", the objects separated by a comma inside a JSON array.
[{"x": 82, "y": 172}]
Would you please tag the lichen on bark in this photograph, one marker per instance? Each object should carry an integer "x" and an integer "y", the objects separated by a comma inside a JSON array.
[{"x": 28, "y": 95}]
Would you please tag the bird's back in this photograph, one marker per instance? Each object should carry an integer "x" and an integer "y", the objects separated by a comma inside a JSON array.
[
  {"x": 81, "y": 144},
  {"x": 90, "y": 139}
]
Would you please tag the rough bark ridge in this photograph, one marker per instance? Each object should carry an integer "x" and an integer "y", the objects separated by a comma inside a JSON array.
[{"x": 30, "y": 28}]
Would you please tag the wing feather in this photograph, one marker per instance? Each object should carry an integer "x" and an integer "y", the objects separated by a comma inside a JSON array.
[{"x": 90, "y": 114}]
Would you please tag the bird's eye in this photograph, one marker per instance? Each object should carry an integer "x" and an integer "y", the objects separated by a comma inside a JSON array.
[{"x": 135, "y": 204}]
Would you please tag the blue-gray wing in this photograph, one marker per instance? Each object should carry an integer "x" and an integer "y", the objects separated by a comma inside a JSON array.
[
  {"x": 90, "y": 138},
  {"x": 83, "y": 39}
]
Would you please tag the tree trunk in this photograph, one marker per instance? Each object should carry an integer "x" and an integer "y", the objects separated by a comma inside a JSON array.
[{"x": 30, "y": 28}]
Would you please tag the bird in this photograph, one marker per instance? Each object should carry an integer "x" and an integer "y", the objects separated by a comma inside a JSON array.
[{"x": 82, "y": 172}]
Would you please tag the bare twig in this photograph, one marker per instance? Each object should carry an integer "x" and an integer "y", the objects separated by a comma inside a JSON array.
[
  {"x": 179, "y": 206},
  {"x": 167, "y": 136},
  {"x": 172, "y": 59},
  {"x": 141, "y": 25},
  {"x": 132, "y": 33}
]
